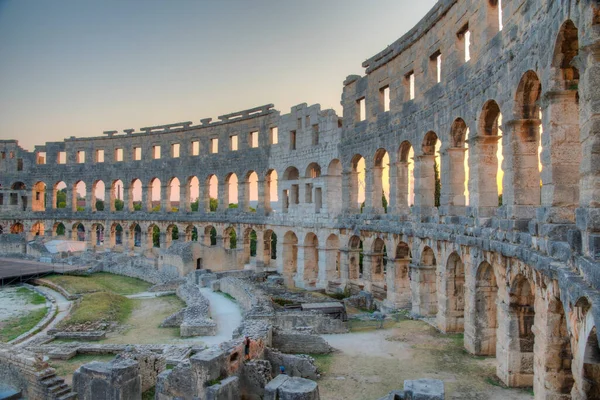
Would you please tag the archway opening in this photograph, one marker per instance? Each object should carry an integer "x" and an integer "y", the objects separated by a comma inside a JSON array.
[
  {"x": 381, "y": 181},
  {"x": 251, "y": 192},
  {"x": 486, "y": 319},
  {"x": 98, "y": 195},
  {"x": 117, "y": 194},
  {"x": 38, "y": 198},
  {"x": 311, "y": 259},
  {"x": 455, "y": 294},
  {"x": 135, "y": 195},
  {"x": 193, "y": 194},
  {"x": 231, "y": 193},
  {"x": 60, "y": 195},
  {"x": 173, "y": 195},
  {"x": 405, "y": 183},
  {"x": 154, "y": 195},
  {"x": 290, "y": 257},
  {"x": 79, "y": 196}
]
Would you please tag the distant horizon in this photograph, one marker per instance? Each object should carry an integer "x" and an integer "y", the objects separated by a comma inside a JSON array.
[{"x": 79, "y": 69}]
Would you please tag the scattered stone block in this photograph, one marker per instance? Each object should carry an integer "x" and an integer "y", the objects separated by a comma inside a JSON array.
[
  {"x": 285, "y": 387},
  {"x": 116, "y": 380},
  {"x": 225, "y": 390}
]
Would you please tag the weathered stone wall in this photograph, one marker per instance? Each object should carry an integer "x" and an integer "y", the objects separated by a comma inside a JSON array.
[
  {"x": 300, "y": 342},
  {"x": 531, "y": 77}
]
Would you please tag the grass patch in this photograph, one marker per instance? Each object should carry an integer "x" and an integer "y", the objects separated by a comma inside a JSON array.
[
  {"x": 65, "y": 368},
  {"x": 282, "y": 302},
  {"x": 227, "y": 295},
  {"x": 17, "y": 326},
  {"x": 101, "y": 281},
  {"x": 323, "y": 362},
  {"x": 31, "y": 296},
  {"x": 149, "y": 394},
  {"x": 100, "y": 306}
]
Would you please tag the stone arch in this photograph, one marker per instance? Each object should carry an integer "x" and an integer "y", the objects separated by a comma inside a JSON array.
[
  {"x": 424, "y": 285},
  {"x": 173, "y": 199},
  {"x": 135, "y": 195},
  {"x": 38, "y": 197},
  {"x": 313, "y": 171},
  {"x": 333, "y": 268},
  {"x": 269, "y": 247},
  {"x": 98, "y": 193},
  {"x": 17, "y": 228},
  {"x": 357, "y": 182},
  {"x": 525, "y": 142},
  {"x": 97, "y": 235},
  {"x": 172, "y": 234},
  {"x": 250, "y": 241},
  {"x": 250, "y": 192},
  {"x": 291, "y": 174},
  {"x": 451, "y": 315},
  {"x": 290, "y": 257},
  {"x": 59, "y": 195},
  {"x": 79, "y": 200},
  {"x": 591, "y": 366},
  {"x": 210, "y": 236},
  {"x": 405, "y": 183},
  {"x": 561, "y": 147},
  {"x": 192, "y": 194},
  {"x": 398, "y": 281},
  {"x": 117, "y": 195},
  {"x": 211, "y": 193},
  {"x": 454, "y": 159},
  {"x": 191, "y": 233},
  {"x": 355, "y": 258},
  {"x": 427, "y": 194},
  {"x": 521, "y": 315},
  {"x": 485, "y": 167},
  {"x": 136, "y": 234},
  {"x": 381, "y": 181},
  {"x": 79, "y": 232},
  {"x": 378, "y": 260},
  {"x": 37, "y": 229},
  {"x": 116, "y": 234},
  {"x": 334, "y": 186},
  {"x": 59, "y": 229},
  {"x": 18, "y": 186},
  {"x": 271, "y": 190},
  {"x": 485, "y": 311},
  {"x": 230, "y": 238},
  {"x": 291, "y": 193},
  {"x": 311, "y": 259},
  {"x": 553, "y": 375},
  {"x": 154, "y": 236},
  {"x": 154, "y": 195},
  {"x": 231, "y": 199}
]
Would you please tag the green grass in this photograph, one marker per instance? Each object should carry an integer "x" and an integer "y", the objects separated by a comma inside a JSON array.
[
  {"x": 31, "y": 296},
  {"x": 282, "y": 302},
  {"x": 227, "y": 295},
  {"x": 66, "y": 368},
  {"x": 99, "y": 306},
  {"x": 17, "y": 326},
  {"x": 323, "y": 362},
  {"x": 149, "y": 394},
  {"x": 101, "y": 281}
]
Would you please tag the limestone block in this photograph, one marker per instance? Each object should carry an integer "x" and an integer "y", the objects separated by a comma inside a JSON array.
[
  {"x": 116, "y": 380},
  {"x": 424, "y": 389},
  {"x": 225, "y": 390},
  {"x": 285, "y": 387}
]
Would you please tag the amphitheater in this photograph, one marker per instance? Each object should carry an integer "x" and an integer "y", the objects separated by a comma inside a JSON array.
[{"x": 507, "y": 251}]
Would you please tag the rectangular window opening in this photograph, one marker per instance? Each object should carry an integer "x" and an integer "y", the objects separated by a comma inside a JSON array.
[
  {"x": 195, "y": 148},
  {"x": 99, "y": 156},
  {"x": 1, "y": 199},
  {"x": 274, "y": 135},
  {"x": 384, "y": 99},
  {"x": 80, "y": 157},
  {"x": 233, "y": 143},
  {"x": 41, "y": 158},
  {"x": 315, "y": 135},
  {"x": 435, "y": 62},
  {"x": 175, "y": 150},
  {"x": 137, "y": 153},
  {"x": 61, "y": 157},
  {"x": 253, "y": 139},
  {"x": 464, "y": 42},
  {"x": 299, "y": 124},
  {"x": 119, "y": 154},
  {"x": 214, "y": 146},
  {"x": 19, "y": 164},
  {"x": 308, "y": 192},
  {"x": 156, "y": 152},
  {"x": 293, "y": 140},
  {"x": 410, "y": 85},
  {"x": 361, "y": 109}
]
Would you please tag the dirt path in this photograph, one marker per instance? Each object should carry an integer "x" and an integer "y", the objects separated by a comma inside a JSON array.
[{"x": 370, "y": 364}]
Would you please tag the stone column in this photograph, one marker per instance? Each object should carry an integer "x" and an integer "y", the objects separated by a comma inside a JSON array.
[
  {"x": 369, "y": 191},
  {"x": 393, "y": 196},
  {"x": 263, "y": 206},
  {"x": 424, "y": 184},
  {"x": 324, "y": 267},
  {"x": 243, "y": 196},
  {"x": 223, "y": 196},
  {"x": 350, "y": 192},
  {"x": 402, "y": 180},
  {"x": 367, "y": 274},
  {"x": 398, "y": 284},
  {"x": 483, "y": 169},
  {"x": 165, "y": 194},
  {"x": 147, "y": 197},
  {"x": 299, "y": 277},
  {"x": 344, "y": 266},
  {"x": 107, "y": 199},
  {"x": 452, "y": 197},
  {"x": 521, "y": 168},
  {"x": 377, "y": 190}
]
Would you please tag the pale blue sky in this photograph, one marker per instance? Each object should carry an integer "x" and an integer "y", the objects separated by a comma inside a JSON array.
[{"x": 77, "y": 68}]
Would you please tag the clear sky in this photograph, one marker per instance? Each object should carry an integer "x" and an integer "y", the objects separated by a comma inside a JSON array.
[{"x": 77, "y": 68}]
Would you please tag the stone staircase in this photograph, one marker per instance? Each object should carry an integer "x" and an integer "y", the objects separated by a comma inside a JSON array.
[{"x": 56, "y": 388}]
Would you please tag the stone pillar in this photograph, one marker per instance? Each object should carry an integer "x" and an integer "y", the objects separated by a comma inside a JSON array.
[
  {"x": 165, "y": 194},
  {"x": 483, "y": 170},
  {"x": 243, "y": 196},
  {"x": 367, "y": 274},
  {"x": 344, "y": 266},
  {"x": 377, "y": 190},
  {"x": 146, "y": 197},
  {"x": 263, "y": 207},
  {"x": 223, "y": 196},
  {"x": 561, "y": 154},
  {"x": 369, "y": 191},
  {"x": 108, "y": 207},
  {"x": 118, "y": 380},
  {"x": 521, "y": 168},
  {"x": 452, "y": 197},
  {"x": 402, "y": 187},
  {"x": 423, "y": 287},
  {"x": 398, "y": 284},
  {"x": 298, "y": 278},
  {"x": 350, "y": 192},
  {"x": 424, "y": 183},
  {"x": 324, "y": 274}
]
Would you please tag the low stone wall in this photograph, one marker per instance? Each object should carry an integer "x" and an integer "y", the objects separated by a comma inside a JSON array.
[
  {"x": 24, "y": 371},
  {"x": 55, "y": 287},
  {"x": 194, "y": 320},
  {"x": 248, "y": 296},
  {"x": 150, "y": 365},
  {"x": 300, "y": 342},
  {"x": 168, "y": 286},
  {"x": 320, "y": 323},
  {"x": 137, "y": 267},
  {"x": 118, "y": 379},
  {"x": 12, "y": 245},
  {"x": 299, "y": 365}
]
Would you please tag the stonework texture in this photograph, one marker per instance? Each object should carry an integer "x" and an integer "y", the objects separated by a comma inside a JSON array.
[{"x": 475, "y": 89}]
